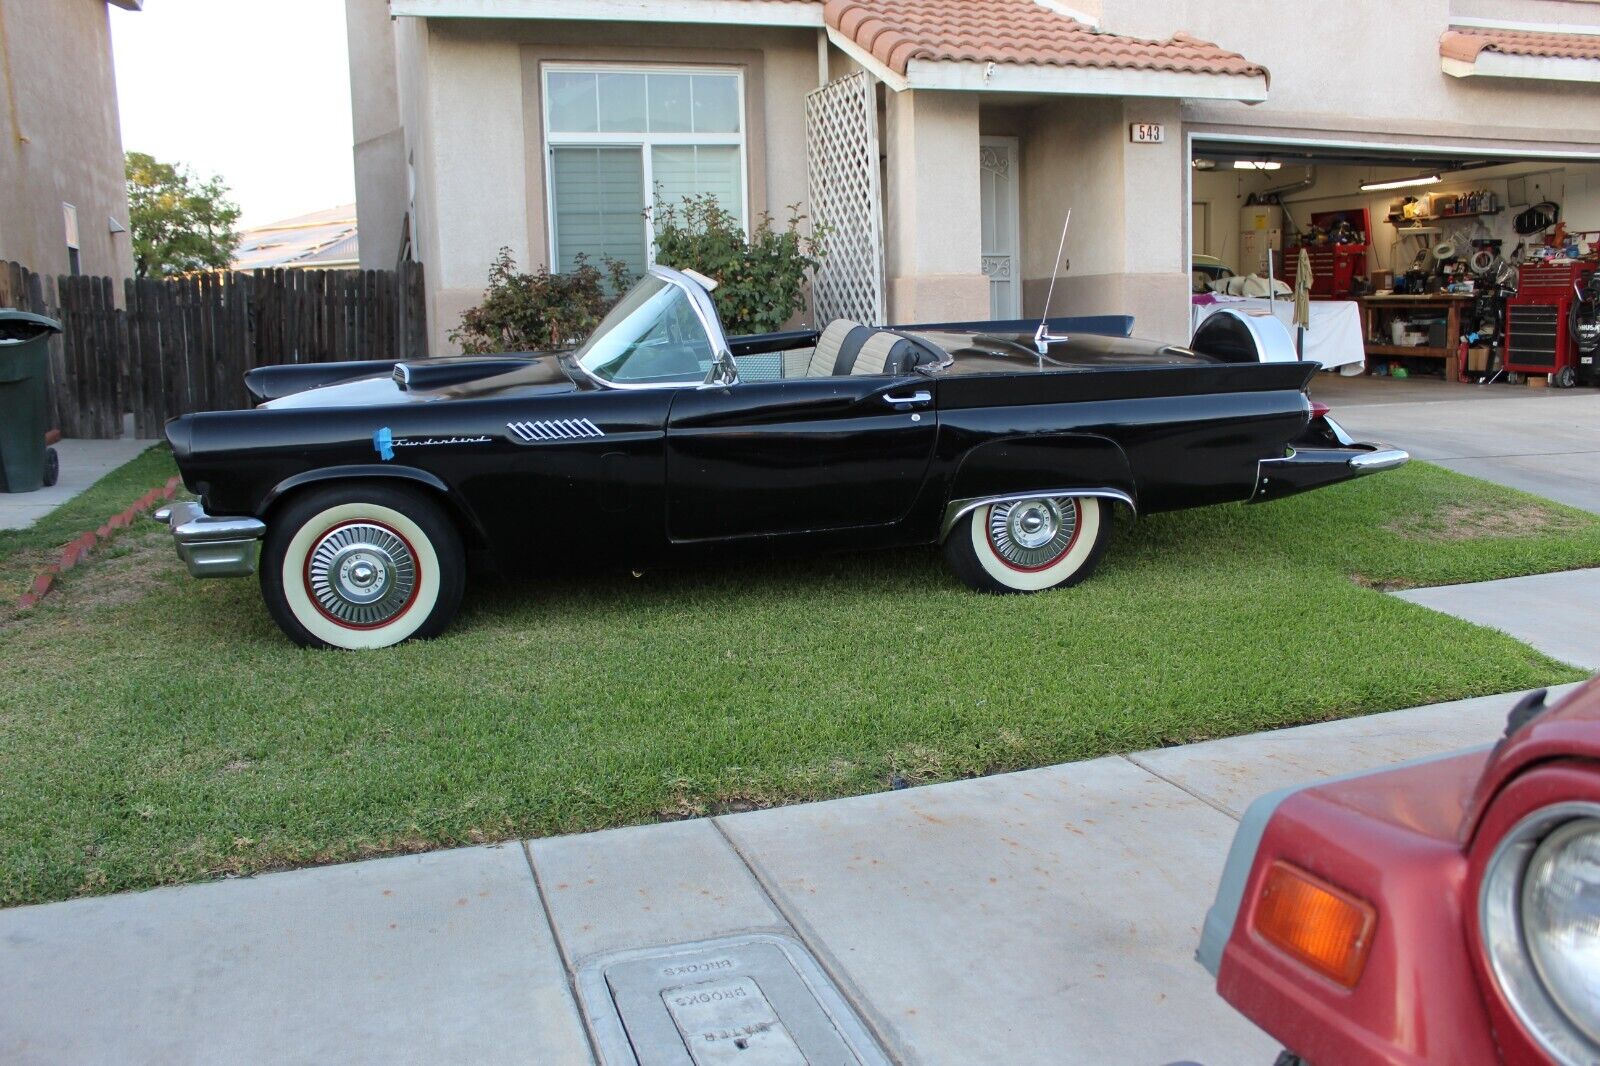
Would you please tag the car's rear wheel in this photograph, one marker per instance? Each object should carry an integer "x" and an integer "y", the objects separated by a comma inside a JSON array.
[
  {"x": 362, "y": 566},
  {"x": 1029, "y": 545}
]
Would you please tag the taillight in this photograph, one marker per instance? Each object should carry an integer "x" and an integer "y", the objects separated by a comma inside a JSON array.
[
  {"x": 1323, "y": 927},
  {"x": 1319, "y": 410}
]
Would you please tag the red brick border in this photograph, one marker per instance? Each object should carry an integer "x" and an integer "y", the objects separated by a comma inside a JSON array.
[{"x": 76, "y": 550}]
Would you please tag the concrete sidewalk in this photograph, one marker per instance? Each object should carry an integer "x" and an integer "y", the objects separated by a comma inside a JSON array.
[
  {"x": 1043, "y": 916},
  {"x": 83, "y": 462},
  {"x": 1557, "y": 613}
]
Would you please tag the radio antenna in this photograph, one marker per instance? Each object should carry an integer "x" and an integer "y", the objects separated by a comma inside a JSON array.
[{"x": 1042, "y": 336}]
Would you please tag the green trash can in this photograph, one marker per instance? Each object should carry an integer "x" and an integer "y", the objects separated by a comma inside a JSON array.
[{"x": 26, "y": 462}]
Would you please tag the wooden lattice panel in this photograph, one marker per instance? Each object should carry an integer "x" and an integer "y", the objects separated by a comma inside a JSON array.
[{"x": 846, "y": 197}]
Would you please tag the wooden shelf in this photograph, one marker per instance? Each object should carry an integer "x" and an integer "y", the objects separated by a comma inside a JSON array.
[
  {"x": 1421, "y": 352},
  {"x": 1444, "y": 218}
]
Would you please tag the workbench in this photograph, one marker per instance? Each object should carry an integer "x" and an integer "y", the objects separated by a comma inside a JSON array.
[{"x": 1374, "y": 322}]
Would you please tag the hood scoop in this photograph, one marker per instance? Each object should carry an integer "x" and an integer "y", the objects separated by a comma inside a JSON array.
[{"x": 429, "y": 375}]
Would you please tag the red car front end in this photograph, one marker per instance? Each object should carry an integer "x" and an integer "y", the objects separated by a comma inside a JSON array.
[{"x": 1443, "y": 911}]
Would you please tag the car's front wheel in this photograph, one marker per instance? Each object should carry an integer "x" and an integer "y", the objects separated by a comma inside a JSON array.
[
  {"x": 1029, "y": 545},
  {"x": 361, "y": 566}
]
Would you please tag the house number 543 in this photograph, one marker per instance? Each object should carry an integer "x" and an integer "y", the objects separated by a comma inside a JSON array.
[{"x": 1146, "y": 133}]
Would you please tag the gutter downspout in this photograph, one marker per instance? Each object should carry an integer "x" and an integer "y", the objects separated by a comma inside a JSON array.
[{"x": 17, "y": 135}]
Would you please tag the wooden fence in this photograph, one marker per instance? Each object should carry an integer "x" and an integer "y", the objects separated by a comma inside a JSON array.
[{"x": 183, "y": 344}]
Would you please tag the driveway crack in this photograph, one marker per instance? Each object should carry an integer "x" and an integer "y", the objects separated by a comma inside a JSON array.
[
  {"x": 1180, "y": 786},
  {"x": 818, "y": 948}
]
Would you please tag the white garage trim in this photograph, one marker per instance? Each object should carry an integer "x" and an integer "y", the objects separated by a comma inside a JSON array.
[
  {"x": 1545, "y": 68},
  {"x": 705, "y": 12},
  {"x": 1525, "y": 27},
  {"x": 1440, "y": 147}
]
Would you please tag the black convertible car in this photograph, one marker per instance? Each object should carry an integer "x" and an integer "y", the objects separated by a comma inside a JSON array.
[{"x": 364, "y": 489}]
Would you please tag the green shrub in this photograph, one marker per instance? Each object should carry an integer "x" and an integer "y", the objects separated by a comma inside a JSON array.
[
  {"x": 760, "y": 281},
  {"x": 539, "y": 311}
]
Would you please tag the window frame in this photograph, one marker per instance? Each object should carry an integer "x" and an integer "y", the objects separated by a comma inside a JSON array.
[
  {"x": 644, "y": 141},
  {"x": 69, "y": 225}
]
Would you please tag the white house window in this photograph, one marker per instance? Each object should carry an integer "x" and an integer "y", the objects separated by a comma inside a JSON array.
[
  {"x": 622, "y": 139},
  {"x": 69, "y": 222}
]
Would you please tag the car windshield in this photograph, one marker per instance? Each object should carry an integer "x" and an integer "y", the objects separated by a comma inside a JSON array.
[{"x": 652, "y": 337}]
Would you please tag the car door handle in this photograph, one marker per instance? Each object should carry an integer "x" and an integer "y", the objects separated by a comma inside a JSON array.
[{"x": 921, "y": 396}]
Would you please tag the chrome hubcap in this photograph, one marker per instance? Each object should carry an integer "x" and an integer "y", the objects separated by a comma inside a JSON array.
[
  {"x": 1033, "y": 532},
  {"x": 361, "y": 574}
]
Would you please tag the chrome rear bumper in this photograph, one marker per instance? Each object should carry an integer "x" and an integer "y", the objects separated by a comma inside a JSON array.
[
  {"x": 1382, "y": 459},
  {"x": 213, "y": 545},
  {"x": 1324, "y": 462}
]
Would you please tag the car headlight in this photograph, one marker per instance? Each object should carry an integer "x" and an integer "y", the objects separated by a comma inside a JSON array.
[
  {"x": 1539, "y": 910},
  {"x": 1561, "y": 920}
]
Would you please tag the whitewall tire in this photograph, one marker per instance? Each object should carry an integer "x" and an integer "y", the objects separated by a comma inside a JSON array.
[
  {"x": 1029, "y": 545},
  {"x": 361, "y": 566}
]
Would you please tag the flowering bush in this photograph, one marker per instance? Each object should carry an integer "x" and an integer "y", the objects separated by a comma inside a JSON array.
[
  {"x": 539, "y": 311},
  {"x": 760, "y": 281}
]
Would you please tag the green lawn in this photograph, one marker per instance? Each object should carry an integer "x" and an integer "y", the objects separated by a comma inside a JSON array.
[
  {"x": 24, "y": 552},
  {"x": 154, "y": 729}
]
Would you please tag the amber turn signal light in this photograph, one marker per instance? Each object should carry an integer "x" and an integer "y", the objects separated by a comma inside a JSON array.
[{"x": 1321, "y": 926}]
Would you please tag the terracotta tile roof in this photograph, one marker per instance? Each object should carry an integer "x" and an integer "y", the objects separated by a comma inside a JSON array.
[
  {"x": 1466, "y": 44},
  {"x": 1014, "y": 31}
]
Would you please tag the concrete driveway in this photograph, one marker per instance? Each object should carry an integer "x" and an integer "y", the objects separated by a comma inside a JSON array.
[{"x": 1544, "y": 441}]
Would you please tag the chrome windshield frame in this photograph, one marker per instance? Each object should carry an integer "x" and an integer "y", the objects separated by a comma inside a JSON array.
[{"x": 706, "y": 312}]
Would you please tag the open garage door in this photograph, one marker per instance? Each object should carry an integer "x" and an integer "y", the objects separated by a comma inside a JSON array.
[{"x": 1424, "y": 262}]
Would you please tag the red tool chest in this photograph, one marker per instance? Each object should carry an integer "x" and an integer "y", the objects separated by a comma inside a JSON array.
[
  {"x": 1334, "y": 267},
  {"x": 1537, "y": 339}
]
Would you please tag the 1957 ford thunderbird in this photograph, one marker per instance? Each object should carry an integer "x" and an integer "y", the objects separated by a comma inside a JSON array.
[{"x": 361, "y": 490}]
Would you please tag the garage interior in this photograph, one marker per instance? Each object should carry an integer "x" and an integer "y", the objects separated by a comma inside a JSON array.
[{"x": 1422, "y": 265}]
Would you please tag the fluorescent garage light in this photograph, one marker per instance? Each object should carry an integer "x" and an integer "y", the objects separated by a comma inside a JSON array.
[
  {"x": 1401, "y": 183},
  {"x": 1253, "y": 164}
]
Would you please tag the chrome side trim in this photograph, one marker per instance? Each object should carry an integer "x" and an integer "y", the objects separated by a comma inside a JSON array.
[
  {"x": 554, "y": 429},
  {"x": 212, "y": 545},
  {"x": 959, "y": 508},
  {"x": 1263, "y": 468}
]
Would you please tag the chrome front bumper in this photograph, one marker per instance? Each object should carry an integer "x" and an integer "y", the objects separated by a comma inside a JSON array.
[{"x": 211, "y": 545}]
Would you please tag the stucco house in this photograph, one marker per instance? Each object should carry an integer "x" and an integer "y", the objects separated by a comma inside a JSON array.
[
  {"x": 947, "y": 139},
  {"x": 65, "y": 203}
]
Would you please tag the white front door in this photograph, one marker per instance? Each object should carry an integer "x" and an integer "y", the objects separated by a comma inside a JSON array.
[{"x": 997, "y": 180}]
